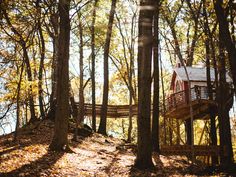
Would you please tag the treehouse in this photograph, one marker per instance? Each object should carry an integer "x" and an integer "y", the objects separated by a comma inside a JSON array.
[
  {"x": 185, "y": 89},
  {"x": 176, "y": 109},
  {"x": 178, "y": 101}
]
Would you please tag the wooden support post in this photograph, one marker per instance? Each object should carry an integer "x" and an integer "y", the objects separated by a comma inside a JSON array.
[
  {"x": 202, "y": 133},
  {"x": 173, "y": 129},
  {"x": 164, "y": 121},
  {"x": 178, "y": 132}
]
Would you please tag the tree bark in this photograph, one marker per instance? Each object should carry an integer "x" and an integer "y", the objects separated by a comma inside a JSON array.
[
  {"x": 212, "y": 113},
  {"x": 226, "y": 152},
  {"x": 163, "y": 103},
  {"x": 155, "y": 115},
  {"x": 81, "y": 80},
  {"x": 54, "y": 21},
  {"x": 22, "y": 43},
  {"x": 227, "y": 40},
  {"x": 195, "y": 18},
  {"x": 93, "y": 67},
  {"x": 60, "y": 140},
  {"x": 41, "y": 65},
  {"x": 103, "y": 120},
  {"x": 144, "y": 154},
  {"x": 18, "y": 103}
]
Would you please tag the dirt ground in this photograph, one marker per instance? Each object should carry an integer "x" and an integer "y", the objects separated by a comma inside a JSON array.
[{"x": 94, "y": 155}]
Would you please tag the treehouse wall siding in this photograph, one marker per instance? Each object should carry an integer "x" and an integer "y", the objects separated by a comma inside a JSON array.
[
  {"x": 197, "y": 77},
  {"x": 198, "y": 84}
]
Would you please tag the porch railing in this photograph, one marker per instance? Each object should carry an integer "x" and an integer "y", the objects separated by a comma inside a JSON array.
[{"x": 182, "y": 98}]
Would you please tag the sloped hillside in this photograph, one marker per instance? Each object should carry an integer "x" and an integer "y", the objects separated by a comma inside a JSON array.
[{"x": 93, "y": 155}]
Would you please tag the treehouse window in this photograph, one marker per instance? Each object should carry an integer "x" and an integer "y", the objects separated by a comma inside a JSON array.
[{"x": 178, "y": 86}]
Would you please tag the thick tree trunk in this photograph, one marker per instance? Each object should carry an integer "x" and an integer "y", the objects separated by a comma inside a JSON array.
[
  {"x": 227, "y": 40},
  {"x": 60, "y": 141},
  {"x": 144, "y": 154},
  {"x": 155, "y": 115},
  {"x": 226, "y": 153},
  {"x": 103, "y": 121}
]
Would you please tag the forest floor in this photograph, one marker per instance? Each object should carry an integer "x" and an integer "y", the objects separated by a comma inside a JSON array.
[{"x": 94, "y": 155}]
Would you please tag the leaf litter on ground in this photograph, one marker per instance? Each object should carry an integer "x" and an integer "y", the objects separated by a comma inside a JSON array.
[{"x": 94, "y": 155}]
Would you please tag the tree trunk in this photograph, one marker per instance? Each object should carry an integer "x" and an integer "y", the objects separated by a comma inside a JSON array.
[
  {"x": 60, "y": 140},
  {"x": 29, "y": 74},
  {"x": 41, "y": 67},
  {"x": 155, "y": 115},
  {"x": 54, "y": 35},
  {"x": 144, "y": 154},
  {"x": 18, "y": 103},
  {"x": 226, "y": 153},
  {"x": 103, "y": 121},
  {"x": 212, "y": 113},
  {"x": 81, "y": 80},
  {"x": 227, "y": 40},
  {"x": 93, "y": 67},
  {"x": 163, "y": 103},
  {"x": 74, "y": 111},
  {"x": 195, "y": 13},
  {"x": 22, "y": 43}
]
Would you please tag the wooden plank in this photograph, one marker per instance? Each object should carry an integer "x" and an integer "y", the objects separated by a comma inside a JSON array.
[{"x": 199, "y": 150}]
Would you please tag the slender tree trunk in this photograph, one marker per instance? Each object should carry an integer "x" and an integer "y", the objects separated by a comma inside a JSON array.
[
  {"x": 212, "y": 113},
  {"x": 18, "y": 103},
  {"x": 60, "y": 140},
  {"x": 81, "y": 80},
  {"x": 103, "y": 121},
  {"x": 130, "y": 75},
  {"x": 195, "y": 16},
  {"x": 93, "y": 67},
  {"x": 75, "y": 113},
  {"x": 29, "y": 74},
  {"x": 163, "y": 102},
  {"x": 155, "y": 115},
  {"x": 41, "y": 67},
  {"x": 22, "y": 43},
  {"x": 129, "y": 139},
  {"x": 144, "y": 154},
  {"x": 54, "y": 35}
]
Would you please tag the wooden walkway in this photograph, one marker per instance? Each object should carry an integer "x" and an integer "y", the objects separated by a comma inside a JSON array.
[
  {"x": 113, "y": 111},
  {"x": 176, "y": 106}
]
